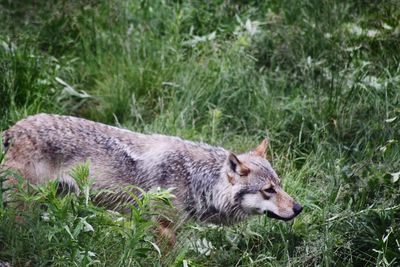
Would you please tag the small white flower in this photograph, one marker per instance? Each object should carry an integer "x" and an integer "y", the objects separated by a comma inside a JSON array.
[
  {"x": 395, "y": 176},
  {"x": 372, "y": 33},
  {"x": 373, "y": 82},
  {"x": 309, "y": 61},
  {"x": 386, "y": 26},
  {"x": 130, "y": 29},
  {"x": 87, "y": 227},
  {"x": 390, "y": 120},
  {"x": 200, "y": 39},
  {"x": 355, "y": 29},
  {"x": 251, "y": 27},
  {"x": 46, "y": 216}
]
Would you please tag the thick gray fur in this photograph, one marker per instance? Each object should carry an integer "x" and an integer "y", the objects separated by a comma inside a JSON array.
[{"x": 44, "y": 147}]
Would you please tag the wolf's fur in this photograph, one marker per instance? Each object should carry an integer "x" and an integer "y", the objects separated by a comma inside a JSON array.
[{"x": 211, "y": 184}]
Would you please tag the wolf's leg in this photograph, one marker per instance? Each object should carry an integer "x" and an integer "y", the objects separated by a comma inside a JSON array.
[
  {"x": 9, "y": 185},
  {"x": 166, "y": 234},
  {"x": 67, "y": 184}
]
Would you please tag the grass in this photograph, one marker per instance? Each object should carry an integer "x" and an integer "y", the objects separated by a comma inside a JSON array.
[{"x": 319, "y": 78}]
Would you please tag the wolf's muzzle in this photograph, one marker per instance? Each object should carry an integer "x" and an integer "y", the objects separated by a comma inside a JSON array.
[{"x": 297, "y": 208}]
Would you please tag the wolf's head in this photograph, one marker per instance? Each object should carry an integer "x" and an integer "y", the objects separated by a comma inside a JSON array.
[{"x": 257, "y": 188}]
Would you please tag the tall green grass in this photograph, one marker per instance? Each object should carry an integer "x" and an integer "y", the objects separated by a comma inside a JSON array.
[{"x": 319, "y": 78}]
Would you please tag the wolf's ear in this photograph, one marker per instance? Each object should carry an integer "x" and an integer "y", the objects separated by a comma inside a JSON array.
[
  {"x": 236, "y": 166},
  {"x": 261, "y": 149}
]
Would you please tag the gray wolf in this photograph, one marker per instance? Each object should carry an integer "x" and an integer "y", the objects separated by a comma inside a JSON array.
[{"x": 211, "y": 183}]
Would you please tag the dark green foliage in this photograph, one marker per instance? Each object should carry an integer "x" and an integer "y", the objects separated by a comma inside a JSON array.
[
  {"x": 41, "y": 228},
  {"x": 320, "y": 78}
]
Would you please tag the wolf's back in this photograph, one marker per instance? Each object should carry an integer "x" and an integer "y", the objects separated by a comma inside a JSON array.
[{"x": 45, "y": 146}]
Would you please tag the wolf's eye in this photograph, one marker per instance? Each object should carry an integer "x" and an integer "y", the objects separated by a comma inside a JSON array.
[{"x": 269, "y": 190}]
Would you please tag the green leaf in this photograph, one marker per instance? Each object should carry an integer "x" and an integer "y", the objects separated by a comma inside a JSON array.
[{"x": 395, "y": 176}]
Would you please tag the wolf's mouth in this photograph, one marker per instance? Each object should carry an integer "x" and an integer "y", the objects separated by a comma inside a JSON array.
[{"x": 273, "y": 215}]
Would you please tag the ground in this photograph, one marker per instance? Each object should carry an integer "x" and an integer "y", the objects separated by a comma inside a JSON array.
[{"x": 320, "y": 79}]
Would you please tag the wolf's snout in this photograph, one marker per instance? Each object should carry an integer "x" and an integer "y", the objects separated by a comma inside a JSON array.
[{"x": 297, "y": 208}]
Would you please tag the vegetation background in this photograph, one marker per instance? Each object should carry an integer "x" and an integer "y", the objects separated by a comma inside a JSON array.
[{"x": 321, "y": 79}]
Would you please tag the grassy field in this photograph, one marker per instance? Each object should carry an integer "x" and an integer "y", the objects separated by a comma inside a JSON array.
[{"x": 321, "y": 79}]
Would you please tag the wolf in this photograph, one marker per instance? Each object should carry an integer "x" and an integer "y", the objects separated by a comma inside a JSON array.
[{"x": 211, "y": 184}]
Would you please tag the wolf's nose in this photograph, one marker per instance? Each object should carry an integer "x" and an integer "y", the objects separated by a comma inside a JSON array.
[{"x": 297, "y": 208}]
